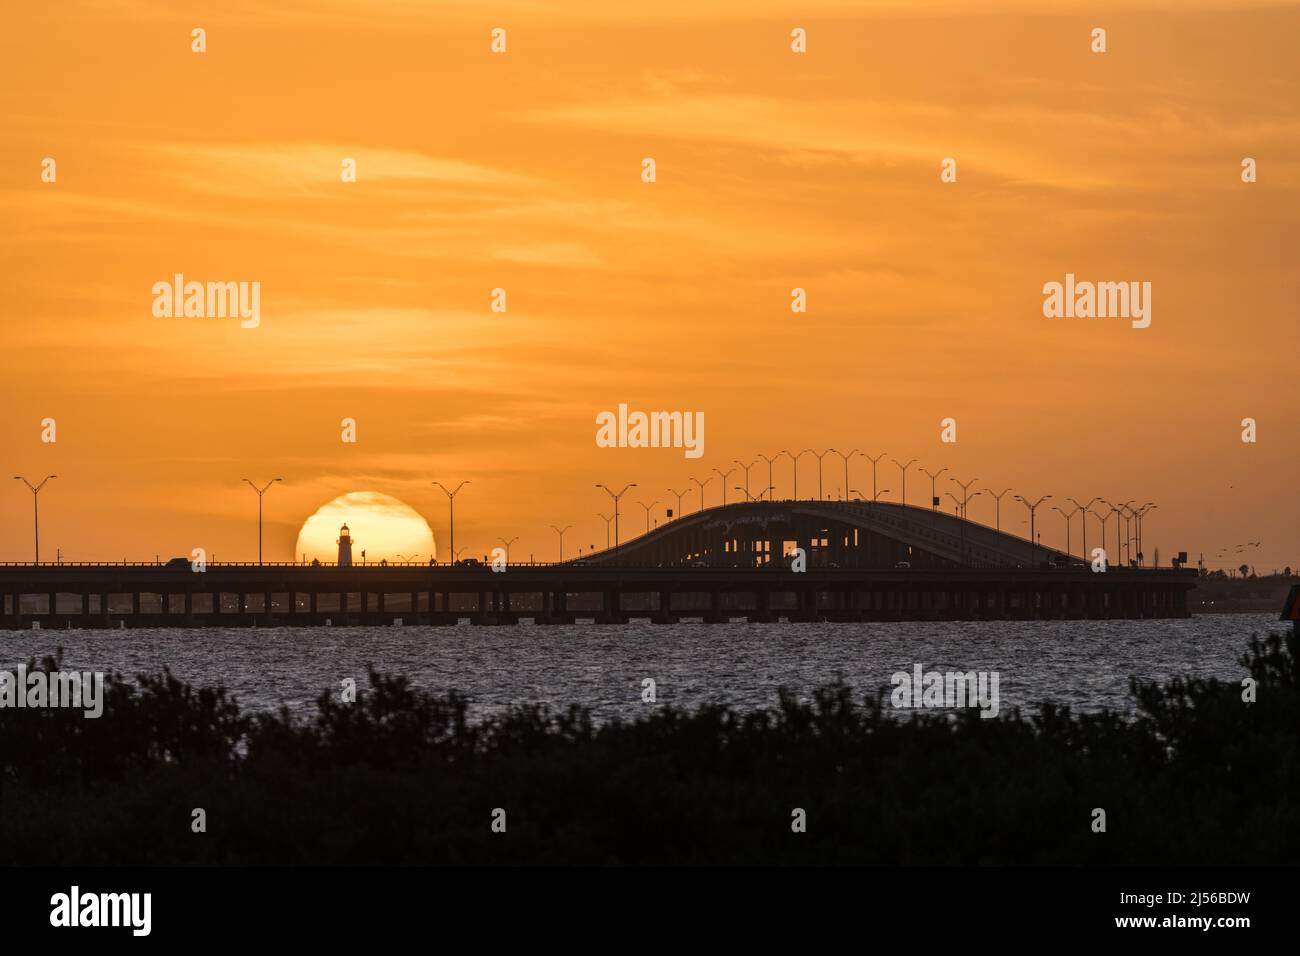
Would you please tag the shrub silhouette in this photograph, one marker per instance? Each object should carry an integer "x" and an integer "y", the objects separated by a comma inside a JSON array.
[{"x": 404, "y": 777}]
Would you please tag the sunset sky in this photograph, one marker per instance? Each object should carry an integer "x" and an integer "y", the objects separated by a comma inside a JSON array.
[{"x": 522, "y": 171}]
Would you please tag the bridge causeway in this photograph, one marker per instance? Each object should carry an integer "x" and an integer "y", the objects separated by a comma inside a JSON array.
[
  {"x": 864, "y": 562},
  {"x": 244, "y": 596}
]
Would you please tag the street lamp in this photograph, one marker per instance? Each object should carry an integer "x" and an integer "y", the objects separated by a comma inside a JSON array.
[
  {"x": 1033, "y": 542},
  {"x": 819, "y": 469},
  {"x": 1118, "y": 512},
  {"x": 746, "y": 467},
  {"x": 260, "y": 491},
  {"x": 608, "y": 519},
  {"x": 933, "y": 496},
  {"x": 1128, "y": 514},
  {"x": 904, "y": 467},
  {"x": 1067, "y": 518},
  {"x": 846, "y": 468},
  {"x": 964, "y": 501},
  {"x": 873, "y": 472},
  {"x": 723, "y": 475},
  {"x": 997, "y": 511},
  {"x": 701, "y": 484},
  {"x": 770, "y": 485},
  {"x": 647, "y": 508},
  {"x": 794, "y": 470},
  {"x": 560, "y": 532},
  {"x": 1084, "y": 521},
  {"x": 1102, "y": 516},
  {"x": 616, "y": 497},
  {"x": 36, "y": 515},
  {"x": 451, "y": 507},
  {"x": 1149, "y": 506},
  {"x": 680, "y": 495},
  {"x": 508, "y": 544}
]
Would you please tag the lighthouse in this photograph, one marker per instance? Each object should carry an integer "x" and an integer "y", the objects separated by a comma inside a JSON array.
[{"x": 345, "y": 547}]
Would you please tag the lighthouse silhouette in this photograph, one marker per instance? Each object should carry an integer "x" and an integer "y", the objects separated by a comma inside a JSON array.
[{"x": 345, "y": 547}]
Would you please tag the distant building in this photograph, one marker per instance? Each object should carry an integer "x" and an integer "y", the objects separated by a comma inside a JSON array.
[{"x": 345, "y": 547}]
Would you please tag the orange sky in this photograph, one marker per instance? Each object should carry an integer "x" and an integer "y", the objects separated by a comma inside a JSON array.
[{"x": 522, "y": 171}]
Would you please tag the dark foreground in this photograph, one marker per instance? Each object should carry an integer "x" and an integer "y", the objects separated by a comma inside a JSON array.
[{"x": 1199, "y": 777}]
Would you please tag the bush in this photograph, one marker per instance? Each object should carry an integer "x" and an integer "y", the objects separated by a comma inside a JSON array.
[{"x": 402, "y": 777}]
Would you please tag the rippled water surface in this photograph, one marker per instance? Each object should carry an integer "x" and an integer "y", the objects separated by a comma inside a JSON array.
[{"x": 1085, "y": 664}]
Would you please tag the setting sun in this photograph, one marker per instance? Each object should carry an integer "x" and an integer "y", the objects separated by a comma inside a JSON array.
[{"x": 384, "y": 527}]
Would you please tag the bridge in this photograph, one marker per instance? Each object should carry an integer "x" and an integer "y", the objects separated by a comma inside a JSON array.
[
  {"x": 858, "y": 534},
  {"x": 864, "y": 562}
]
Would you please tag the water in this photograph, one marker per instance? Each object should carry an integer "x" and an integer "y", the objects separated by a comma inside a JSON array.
[{"x": 1085, "y": 664}]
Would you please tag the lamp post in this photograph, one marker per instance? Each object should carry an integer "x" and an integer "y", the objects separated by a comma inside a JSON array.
[
  {"x": 904, "y": 468},
  {"x": 616, "y": 497},
  {"x": 873, "y": 461},
  {"x": 770, "y": 485},
  {"x": 451, "y": 507},
  {"x": 1067, "y": 518},
  {"x": 846, "y": 468},
  {"x": 997, "y": 513},
  {"x": 964, "y": 501},
  {"x": 746, "y": 467},
  {"x": 933, "y": 496},
  {"x": 260, "y": 491},
  {"x": 1083, "y": 519},
  {"x": 1128, "y": 514},
  {"x": 560, "y": 532},
  {"x": 724, "y": 475},
  {"x": 701, "y": 484},
  {"x": 966, "y": 496},
  {"x": 508, "y": 544},
  {"x": 36, "y": 516},
  {"x": 1149, "y": 506},
  {"x": 1102, "y": 516},
  {"x": 647, "y": 508},
  {"x": 794, "y": 470},
  {"x": 680, "y": 495},
  {"x": 819, "y": 458},
  {"x": 608, "y": 519},
  {"x": 1033, "y": 542},
  {"x": 1117, "y": 511}
]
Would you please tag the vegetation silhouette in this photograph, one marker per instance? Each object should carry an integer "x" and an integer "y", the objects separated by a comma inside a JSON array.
[{"x": 1196, "y": 776}]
